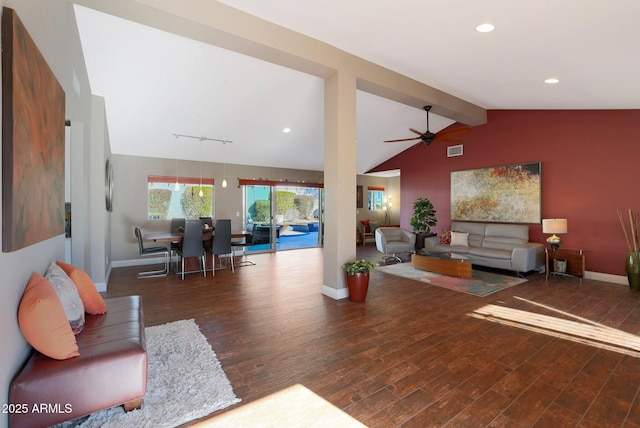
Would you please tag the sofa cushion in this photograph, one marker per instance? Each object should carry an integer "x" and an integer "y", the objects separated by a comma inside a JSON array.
[
  {"x": 445, "y": 237},
  {"x": 365, "y": 226},
  {"x": 68, "y": 295},
  {"x": 460, "y": 239},
  {"x": 43, "y": 322},
  {"x": 91, "y": 299},
  {"x": 373, "y": 225},
  {"x": 502, "y": 243},
  {"x": 490, "y": 253},
  {"x": 518, "y": 231},
  {"x": 475, "y": 231}
]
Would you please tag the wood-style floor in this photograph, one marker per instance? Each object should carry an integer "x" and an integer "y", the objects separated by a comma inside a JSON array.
[{"x": 415, "y": 355}]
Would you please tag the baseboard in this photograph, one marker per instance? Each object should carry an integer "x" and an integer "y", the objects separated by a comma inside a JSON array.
[
  {"x": 337, "y": 294},
  {"x": 607, "y": 277}
]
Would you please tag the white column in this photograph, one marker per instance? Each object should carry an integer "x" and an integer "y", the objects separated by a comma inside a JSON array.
[{"x": 339, "y": 180}]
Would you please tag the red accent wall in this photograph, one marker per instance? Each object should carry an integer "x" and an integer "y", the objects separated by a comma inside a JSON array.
[{"x": 590, "y": 167}]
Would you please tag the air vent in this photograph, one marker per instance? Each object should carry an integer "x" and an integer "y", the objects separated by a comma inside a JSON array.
[{"x": 454, "y": 151}]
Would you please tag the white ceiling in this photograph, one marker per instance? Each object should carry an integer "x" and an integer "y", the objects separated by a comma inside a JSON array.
[{"x": 156, "y": 84}]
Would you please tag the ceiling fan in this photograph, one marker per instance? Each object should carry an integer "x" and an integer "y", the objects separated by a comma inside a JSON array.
[{"x": 427, "y": 137}]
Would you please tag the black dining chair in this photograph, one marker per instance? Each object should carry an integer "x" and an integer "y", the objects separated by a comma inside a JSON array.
[
  {"x": 192, "y": 245},
  {"x": 177, "y": 225},
  {"x": 221, "y": 245},
  {"x": 245, "y": 242},
  {"x": 152, "y": 251}
]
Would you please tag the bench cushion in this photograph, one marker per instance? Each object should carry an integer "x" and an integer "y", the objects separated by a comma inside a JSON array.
[{"x": 111, "y": 369}]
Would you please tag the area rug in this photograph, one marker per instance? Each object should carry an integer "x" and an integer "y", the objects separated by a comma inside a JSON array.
[
  {"x": 481, "y": 284},
  {"x": 184, "y": 382}
]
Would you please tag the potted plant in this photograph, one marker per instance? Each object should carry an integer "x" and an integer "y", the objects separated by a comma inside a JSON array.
[
  {"x": 633, "y": 243},
  {"x": 357, "y": 275},
  {"x": 424, "y": 216}
]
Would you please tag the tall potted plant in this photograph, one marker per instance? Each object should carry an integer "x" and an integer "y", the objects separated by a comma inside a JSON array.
[
  {"x": 633, "y": 243},
  {"x": 424, "y": 216},
  {"x": 357, "y": 276}
]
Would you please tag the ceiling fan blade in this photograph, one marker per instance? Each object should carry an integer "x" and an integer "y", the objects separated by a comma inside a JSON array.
[
  {"x": 446, "y": 139},
  {"x": 417, "y": 132},
  {"x": 402, "y": 139},
  {"x": 455, "y": 131}
]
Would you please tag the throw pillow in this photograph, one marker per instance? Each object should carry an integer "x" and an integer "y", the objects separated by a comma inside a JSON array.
[
  {"x": 445, "y": 238},
  {"x": 68, "y": 295},
  {"x": 373, "y": 225},
  {"x": 459, "y": 238},
  {"x": 366, "y": 227},
  {"x": 91, "y": 299},
  {"x": 43, "y": 321}
]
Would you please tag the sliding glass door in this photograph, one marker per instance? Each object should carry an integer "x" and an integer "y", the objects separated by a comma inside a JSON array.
[
  {"x": 283, "y": 217},
  {"x": 259, "y": 217}
]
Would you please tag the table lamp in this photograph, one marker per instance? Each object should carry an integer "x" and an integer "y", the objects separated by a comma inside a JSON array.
[{"x": 554, "y": 225}]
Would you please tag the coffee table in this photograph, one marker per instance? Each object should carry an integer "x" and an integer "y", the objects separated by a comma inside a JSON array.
[{"x": 452, "y": 264}]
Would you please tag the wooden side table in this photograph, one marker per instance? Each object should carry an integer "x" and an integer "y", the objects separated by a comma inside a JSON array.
[{"x": 575, "y": 262}]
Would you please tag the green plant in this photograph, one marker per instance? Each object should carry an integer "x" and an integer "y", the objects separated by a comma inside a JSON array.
[
  {"x": 260, "y": 210},
  {"x": 424, "y": 215},
  {"x": 284, "y": 201},
  {"x": 359, "y": 266}
]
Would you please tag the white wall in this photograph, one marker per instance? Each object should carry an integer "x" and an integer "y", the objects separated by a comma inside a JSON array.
[{"x": 51, "y": 25}]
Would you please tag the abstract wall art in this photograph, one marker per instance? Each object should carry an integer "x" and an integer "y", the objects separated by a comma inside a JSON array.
[
  {"x": 503, "y": 194},
  {"x": 33, "y": 120}
]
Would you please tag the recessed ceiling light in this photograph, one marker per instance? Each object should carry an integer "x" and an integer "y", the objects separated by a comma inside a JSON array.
[
  {"x": 551, "y": 80},
  {"x": 485, "y": 28},
  {"x": 286, "y": 130}
]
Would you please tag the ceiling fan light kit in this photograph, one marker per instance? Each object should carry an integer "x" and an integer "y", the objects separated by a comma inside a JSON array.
[{"x": 427, "y": 137}]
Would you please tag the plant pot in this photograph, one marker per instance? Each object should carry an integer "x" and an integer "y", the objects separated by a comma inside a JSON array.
[
  {"x": 633, "y": 270},
  {"x": 420, "y": 236},
  {"x": 358, "y": 285}
]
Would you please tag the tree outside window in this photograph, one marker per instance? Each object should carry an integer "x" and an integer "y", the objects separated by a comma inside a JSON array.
[{"x": 167, "y": 201}]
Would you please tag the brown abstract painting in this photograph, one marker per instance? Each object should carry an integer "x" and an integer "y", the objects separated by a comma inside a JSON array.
[
  {"x": 505, "y": 194},
  {"x": 33, "y": 116}
]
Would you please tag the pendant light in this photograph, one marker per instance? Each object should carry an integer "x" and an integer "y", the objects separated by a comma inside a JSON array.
[
  {"x": 224, "y": 176},
  {"x": 201, "y": 193},
  {"x": 176, "y": 187}
]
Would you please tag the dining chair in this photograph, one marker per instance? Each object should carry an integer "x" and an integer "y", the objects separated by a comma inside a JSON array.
[
  {"x": 152, "y": 251},
  {"x": 247, "y": 241},
  {"x": 221, "y": 244},
  {"x": 177, "y": 225},
  {"x": 192, "y": 245}
]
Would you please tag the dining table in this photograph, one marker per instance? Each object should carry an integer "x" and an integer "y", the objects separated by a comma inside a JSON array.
[
  {"x": 177, "y": 236},
  {"x": 207, "y": 235}
]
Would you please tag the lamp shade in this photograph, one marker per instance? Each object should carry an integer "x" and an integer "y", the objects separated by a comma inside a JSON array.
[{"x": 554, "y": 225}]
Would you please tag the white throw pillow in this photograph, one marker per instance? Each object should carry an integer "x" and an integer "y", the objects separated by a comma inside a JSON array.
[
  {"x": 68, "y": 295},
  {"x": 459, "y": 238}
]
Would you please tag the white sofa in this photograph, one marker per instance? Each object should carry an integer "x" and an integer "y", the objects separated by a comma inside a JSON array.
[{"x": 497, "y": 245}]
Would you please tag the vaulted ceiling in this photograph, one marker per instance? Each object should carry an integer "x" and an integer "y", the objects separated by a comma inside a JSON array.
[{"x": 156, "y": 83}]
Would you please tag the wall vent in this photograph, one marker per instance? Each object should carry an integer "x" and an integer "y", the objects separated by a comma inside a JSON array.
[{"x": 454, "y": 151}]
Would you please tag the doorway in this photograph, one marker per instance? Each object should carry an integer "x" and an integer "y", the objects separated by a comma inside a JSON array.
[{"x": 283, "y": 217}]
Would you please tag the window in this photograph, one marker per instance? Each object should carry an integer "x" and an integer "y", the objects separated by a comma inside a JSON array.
[
  {"x": 167, "y": 201},
  {"x": 375, "y": 196}
]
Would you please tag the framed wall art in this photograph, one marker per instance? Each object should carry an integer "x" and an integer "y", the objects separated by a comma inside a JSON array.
[
  {"x": 359, "y": 197},
  {"x": 33, "y": 111},
  {"x": 502, "y": 194}
]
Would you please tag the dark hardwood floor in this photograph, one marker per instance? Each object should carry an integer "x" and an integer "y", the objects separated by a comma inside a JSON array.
[{"x": 414, "y": 355}]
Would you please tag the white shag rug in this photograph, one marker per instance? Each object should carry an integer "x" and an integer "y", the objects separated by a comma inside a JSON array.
[{"x": 184, "y": 382}]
